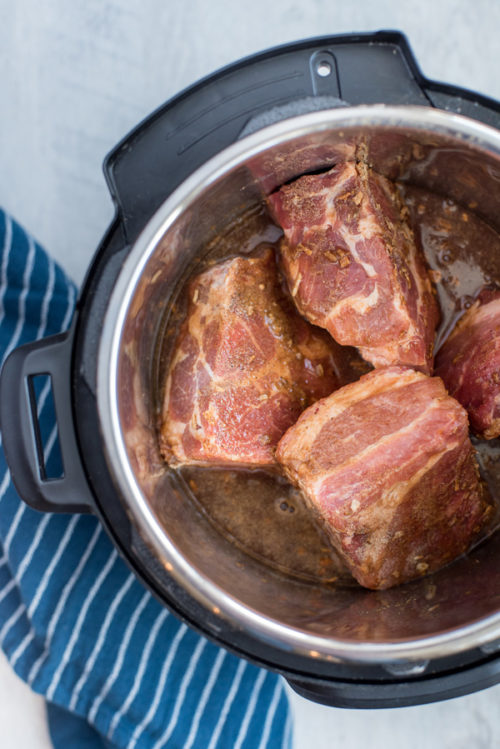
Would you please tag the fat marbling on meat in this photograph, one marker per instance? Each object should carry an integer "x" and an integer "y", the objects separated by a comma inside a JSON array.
[
  {"x": 387, "y": 466},
  {"x": 469, "y": 363},
  {"x": 353, "y": 267},
  {"x": 245, "y": 365}
]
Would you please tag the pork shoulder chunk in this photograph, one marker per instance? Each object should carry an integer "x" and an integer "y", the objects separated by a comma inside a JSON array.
[
  {"x": 469, "y": 363},
  {"x": 245, "y": 365},
  {"x": 352, "y": 265},
  {"x": 387, "y": 466}
]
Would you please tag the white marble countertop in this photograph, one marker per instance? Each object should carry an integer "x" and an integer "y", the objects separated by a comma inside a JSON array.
[{"x": 75, "y": 77}]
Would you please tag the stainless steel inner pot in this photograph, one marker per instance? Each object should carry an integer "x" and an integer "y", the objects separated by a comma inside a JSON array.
[{"x": 452, "y": 611}]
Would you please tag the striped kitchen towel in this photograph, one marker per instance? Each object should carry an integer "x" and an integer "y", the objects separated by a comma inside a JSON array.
[{"x": 117, "y": 669}]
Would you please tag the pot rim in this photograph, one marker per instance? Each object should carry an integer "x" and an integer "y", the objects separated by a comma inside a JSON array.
[{"x": 197, "y": 584}]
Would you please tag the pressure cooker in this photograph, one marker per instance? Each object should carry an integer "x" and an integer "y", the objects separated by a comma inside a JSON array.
[{"x": 198, "y": 165}]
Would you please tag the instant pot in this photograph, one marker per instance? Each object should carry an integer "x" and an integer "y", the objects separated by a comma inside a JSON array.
[{"x": 201, "y": 163}]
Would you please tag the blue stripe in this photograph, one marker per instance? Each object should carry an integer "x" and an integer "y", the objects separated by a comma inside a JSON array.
[
  {"x": 208, "y": 689},
  {"x": 239, "y": 707},
  {"x": 119, "y": 694},
  {"x": 50, "y": 566},
  {"x": 101, "y": 639},
  {"x": 90, "y": 611},
  {"x": 6, "y": 248},
  {"x": 220, "y": 710},
  {"x": 113, "y": 670},
  {"x": 281, "y": 731},
  {"x": 66, "y": 611},
  {"x": 182, "y": 714},
  {"x": 130, "y": 715},
  {"x": 181, "y": 636},
  {"x": 19, "y": 324}
]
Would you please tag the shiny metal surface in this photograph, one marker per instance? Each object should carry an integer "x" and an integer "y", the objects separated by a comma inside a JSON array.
[{"x": 447, "y": 153}]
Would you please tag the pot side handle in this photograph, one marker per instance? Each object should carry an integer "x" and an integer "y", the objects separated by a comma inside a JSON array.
[{"x": 21, "y": 434}]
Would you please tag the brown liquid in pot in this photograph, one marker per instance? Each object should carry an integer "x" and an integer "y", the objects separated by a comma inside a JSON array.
[{"x": 258, "y": 510}]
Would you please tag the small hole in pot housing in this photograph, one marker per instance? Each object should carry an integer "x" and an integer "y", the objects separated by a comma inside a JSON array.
[{"x": 323, "y": 68}]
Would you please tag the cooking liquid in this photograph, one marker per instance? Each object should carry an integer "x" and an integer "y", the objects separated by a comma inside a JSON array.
[{"x": 258, "y": 510}]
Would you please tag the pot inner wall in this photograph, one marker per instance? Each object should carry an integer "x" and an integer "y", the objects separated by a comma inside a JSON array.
[{"x": 236, "y": 529}]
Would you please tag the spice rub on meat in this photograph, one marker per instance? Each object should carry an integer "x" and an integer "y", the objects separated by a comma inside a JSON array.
[
  {"x": 469, "y": 363},
  {"x": 353, "y": 267},
  {"x": 245, "y": 366},
  {"x": 387, "y": 466}
]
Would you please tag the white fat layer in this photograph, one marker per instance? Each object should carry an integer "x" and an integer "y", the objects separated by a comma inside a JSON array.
[
  {"x": 314, "y": 486},
  {"x": 367, "y": 225},
  {"x": 356, "y": 303},
  {"x": 314, "y": 419}
]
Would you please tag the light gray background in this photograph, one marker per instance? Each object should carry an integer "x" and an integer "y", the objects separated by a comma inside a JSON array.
[{"x": 75, "y": 76}]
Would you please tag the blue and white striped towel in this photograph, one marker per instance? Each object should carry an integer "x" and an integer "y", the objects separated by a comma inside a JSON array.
[{"x": 116, "y": 668}]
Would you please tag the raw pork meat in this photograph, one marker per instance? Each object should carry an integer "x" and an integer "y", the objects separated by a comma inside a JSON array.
[
  {"x": 353, "y": 267},
  {"x": 387, "y": 466},
  {"x": 469, "y": 363},
  {"x": 245, "y": 366}
]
